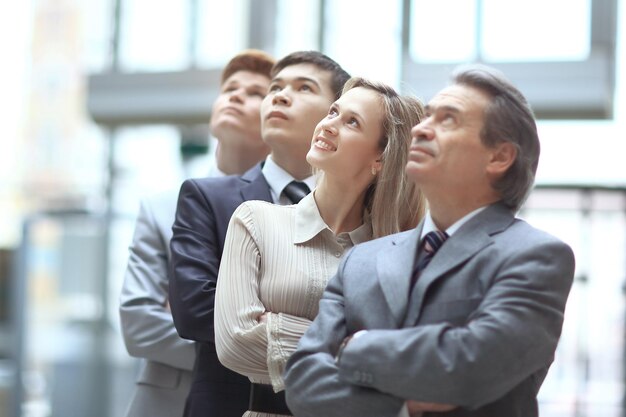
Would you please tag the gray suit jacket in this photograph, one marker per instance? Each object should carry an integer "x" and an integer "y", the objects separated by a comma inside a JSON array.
[
  {"x": 165, "y": 376},
  {"x": 479, "y": 330}
]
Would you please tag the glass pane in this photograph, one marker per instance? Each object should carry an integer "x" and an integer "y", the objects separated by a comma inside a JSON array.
[
  {"x": 222, "y": 31},
  {"x": 16, "y": 47},
  {"x": 443, "y": 31},
  {"x": 63, "y": 338},
  {"x": 51, "y": 125},
  {"x": 536, "y": 30},
  {"x": 140, "y": 176},
  {"x": 361, "y": 36},
  {"x": 293, "y": 33},
  {"x": 97, "y": 35},
  {"x": 154, "y": 35},
  {"x": 584, "y": 378}
]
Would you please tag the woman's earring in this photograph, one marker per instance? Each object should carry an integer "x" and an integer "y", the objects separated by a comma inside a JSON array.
[{"x": 373, "y": 171}]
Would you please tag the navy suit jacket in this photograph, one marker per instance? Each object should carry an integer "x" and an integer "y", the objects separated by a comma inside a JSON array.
[{"x": 204, "y": 209}]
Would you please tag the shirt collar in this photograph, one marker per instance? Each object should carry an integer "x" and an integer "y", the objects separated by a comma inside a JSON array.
[
  {"x": 309, "y": 223},
  {"x": 361, "y": 234},
  {"x": 429, "y": 225},
  {"x": 277, "y": 178}
]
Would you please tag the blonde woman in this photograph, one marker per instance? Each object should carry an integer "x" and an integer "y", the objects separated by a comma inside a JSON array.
[{"x": 278, "y": 259}]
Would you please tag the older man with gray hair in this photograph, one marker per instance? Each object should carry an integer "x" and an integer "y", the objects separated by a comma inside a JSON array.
[{"x": 460, "y": 316}]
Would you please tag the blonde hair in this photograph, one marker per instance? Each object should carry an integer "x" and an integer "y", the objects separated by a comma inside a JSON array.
[{"x": 394, "y": 203}]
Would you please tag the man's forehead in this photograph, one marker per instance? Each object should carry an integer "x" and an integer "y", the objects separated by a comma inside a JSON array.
[
  {"x": 245, "y": 76},
  {"x": 459, "y": 96},
  {"x": 303, "y": 70}
]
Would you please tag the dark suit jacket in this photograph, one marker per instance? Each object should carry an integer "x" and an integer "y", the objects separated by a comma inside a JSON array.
[
  {"x": 204, "y": 209},
  {"x": 479, "y": 330}
]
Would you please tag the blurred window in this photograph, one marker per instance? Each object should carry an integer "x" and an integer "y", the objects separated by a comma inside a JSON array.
[
  {"x": 222, "y": 30},
  {"x": 501, "y": 31},
  {"x": 294, "y": 33},
  {"x": 153, "y": 35},
  {"x": 365, "y": 37},
  {"x": 560, "y": 53}
]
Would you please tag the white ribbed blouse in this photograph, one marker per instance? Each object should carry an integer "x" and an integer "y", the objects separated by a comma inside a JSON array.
[{"x": 276, "y": 259}]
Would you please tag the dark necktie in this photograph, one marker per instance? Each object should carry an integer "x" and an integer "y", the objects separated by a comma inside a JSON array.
[
  {"x": 296, "y": 190},
  {"x": 430, "y": 245}
]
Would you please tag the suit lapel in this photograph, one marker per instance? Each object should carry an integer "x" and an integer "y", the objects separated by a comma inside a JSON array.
[
  {"x": 470, "y": 239},
  {"x": 394, "y": 264},
  {"x": 257, "y": 187}
]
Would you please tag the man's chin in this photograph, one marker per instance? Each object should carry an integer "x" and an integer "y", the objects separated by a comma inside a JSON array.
[
  {"x": 226, "y": 128},
  {"x": 275, "y": 135},
  {"x": 413, "y": 171}
]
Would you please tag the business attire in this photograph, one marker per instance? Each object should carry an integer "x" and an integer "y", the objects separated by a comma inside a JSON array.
[
  {"x": 478, "y": 330},
  {"x": 164, "y": 377},
  {"x": 276, "y": 259},
  {"x": 205, "y": 207}
]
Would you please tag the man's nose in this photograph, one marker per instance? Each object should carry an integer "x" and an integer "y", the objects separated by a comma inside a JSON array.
[
  {"x": 236, "y": 95},
  {"x": 422, "y": 130},
  {"x": 281, "y": 97}
]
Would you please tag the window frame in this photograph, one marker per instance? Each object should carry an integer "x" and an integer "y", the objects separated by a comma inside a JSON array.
[{"x": 555, "y": 89}]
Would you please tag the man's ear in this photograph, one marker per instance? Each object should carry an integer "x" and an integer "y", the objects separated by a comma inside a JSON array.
[{"x": 502, "y": 157}]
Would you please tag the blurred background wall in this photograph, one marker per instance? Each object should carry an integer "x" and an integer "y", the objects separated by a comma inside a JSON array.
[{"x": 106, "y": 101}]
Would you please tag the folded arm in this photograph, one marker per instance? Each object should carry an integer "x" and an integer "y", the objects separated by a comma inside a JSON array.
[
  {"x": 312, "y": 381},
  {"x": 511, "y": 335},
  {"x": 249, "y": 339}
]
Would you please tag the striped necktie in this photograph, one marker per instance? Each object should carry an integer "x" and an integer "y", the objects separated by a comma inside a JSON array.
[{"x": 430, "y": 245}]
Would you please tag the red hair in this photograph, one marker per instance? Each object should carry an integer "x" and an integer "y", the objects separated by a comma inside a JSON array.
[{"x": 252, "y": 60}]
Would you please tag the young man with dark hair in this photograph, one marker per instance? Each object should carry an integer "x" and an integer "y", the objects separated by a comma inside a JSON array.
[{"x": 303, "y": 86}]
